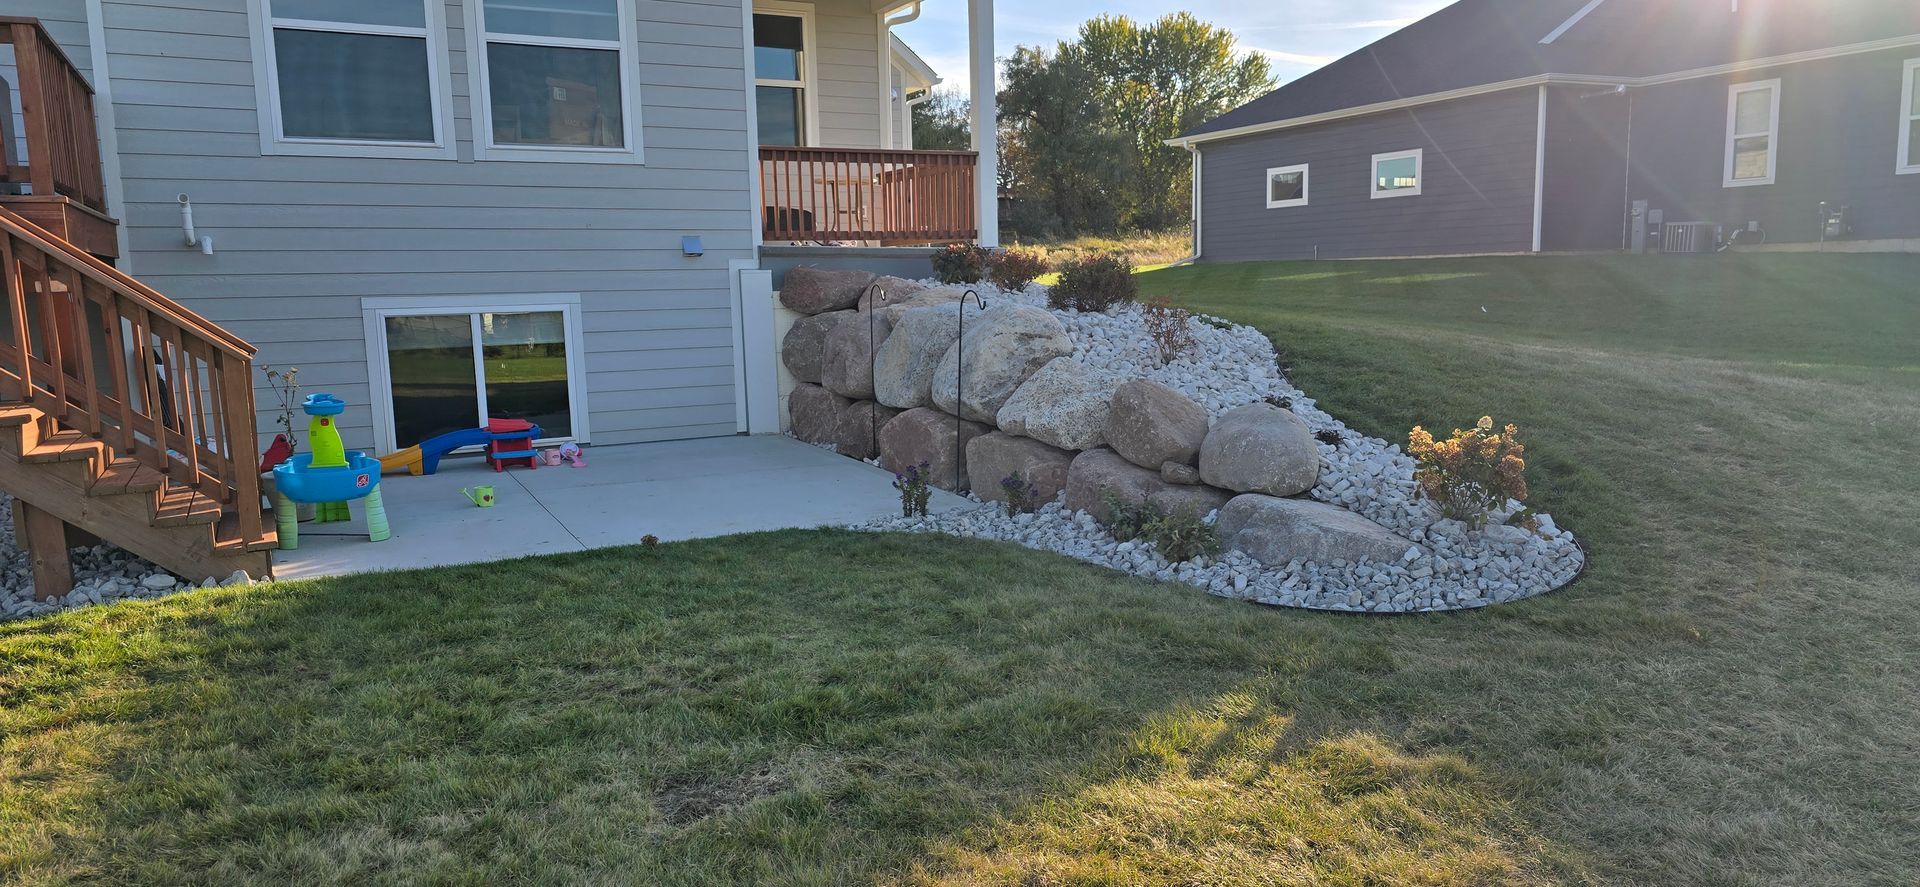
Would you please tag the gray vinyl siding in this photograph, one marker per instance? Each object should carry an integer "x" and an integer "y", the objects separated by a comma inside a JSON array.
[
  {"x": 1477, "y": 194},
  {"x": 302, "y": 240},
  {"x": 1839, "y": 134}
]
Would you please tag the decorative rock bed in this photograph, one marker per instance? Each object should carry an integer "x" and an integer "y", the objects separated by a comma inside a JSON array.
[
  {"x": 102, "y": 574},
  {"x": 1081, "y": 406}
]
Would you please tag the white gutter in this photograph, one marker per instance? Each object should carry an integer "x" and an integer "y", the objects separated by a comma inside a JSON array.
[
  {"x": 884, "y": 56},
  {"x": 1549, "y": 80}
]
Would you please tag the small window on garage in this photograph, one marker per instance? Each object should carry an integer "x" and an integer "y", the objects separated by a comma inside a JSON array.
[
  {"x": 1398, "y": 174},
  {"x": 1287, "y": 186}
]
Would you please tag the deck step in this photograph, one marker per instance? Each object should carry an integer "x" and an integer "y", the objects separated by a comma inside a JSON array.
[
  {"x": 67, "y": 446},
  {"x": 12, "y": 417},
  {"x": 227, "y": 541},
  {"x": 182, "y": 506},
  {"x": 126, "y": 476}
]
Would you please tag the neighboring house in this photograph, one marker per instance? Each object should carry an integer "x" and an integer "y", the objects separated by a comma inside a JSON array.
[
  {"x": 444, "y": 211},
  {"x": 1513, "y": 126},
  {"x": 913, "y": 83}
]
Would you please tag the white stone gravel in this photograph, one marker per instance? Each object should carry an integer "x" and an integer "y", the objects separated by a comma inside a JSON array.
[
  {"x": 1449, "y": 567},
  {"x": 102, "y": 574}
]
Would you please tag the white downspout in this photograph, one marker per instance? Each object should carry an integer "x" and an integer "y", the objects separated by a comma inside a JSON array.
[
  {"x": 986, "y": 114},
  {"x": 885, "y": 65}
]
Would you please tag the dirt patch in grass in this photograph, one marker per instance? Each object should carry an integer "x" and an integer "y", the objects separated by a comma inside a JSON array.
[{"x": 685, "y": 800}]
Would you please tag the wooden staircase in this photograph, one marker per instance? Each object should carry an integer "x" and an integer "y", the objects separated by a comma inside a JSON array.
[{"x": 122, "y": 415}]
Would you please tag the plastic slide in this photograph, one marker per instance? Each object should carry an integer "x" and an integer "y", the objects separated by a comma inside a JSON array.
[{"x": 424, "y": 457}]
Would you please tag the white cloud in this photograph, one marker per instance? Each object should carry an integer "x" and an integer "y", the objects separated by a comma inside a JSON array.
[{"x": 1292, "y": 58}]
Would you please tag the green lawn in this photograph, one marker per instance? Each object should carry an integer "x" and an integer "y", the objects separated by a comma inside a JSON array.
[{"x": 1728, "y": 696}]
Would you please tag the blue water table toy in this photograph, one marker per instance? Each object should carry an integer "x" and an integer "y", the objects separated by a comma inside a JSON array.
[{"x": 329, "y": 477}]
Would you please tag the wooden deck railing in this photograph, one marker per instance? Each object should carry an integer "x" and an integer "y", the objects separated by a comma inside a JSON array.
[
  {"x": 103, "y": 354},
  {"x": 56, "y": 104},
  {"x": 840, "y": 194}
]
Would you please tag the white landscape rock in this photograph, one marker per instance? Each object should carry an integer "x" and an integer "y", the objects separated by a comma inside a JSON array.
[
  {"x": 102, "y": 574},
  {"x": 904, "y": 364}
]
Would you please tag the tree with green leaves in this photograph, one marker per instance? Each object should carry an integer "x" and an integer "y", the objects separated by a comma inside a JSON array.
[
  {"x": 1062, "y": 161},
  {"x": 944, "y": 122},
  {"x": 1141, "y": 85}
]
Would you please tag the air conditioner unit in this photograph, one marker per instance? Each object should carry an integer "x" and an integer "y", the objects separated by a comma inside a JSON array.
[{"x": 1689, "y": 237}]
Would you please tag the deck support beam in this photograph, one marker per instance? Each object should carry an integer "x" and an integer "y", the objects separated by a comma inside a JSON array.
[{"x": 45, "y": 538}]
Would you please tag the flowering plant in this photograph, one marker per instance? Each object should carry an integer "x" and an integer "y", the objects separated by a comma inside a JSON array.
[
  {"x": 1021, "y": 496},
  {"x": 1167, "y": 326},
  {"x": 1473, "y": 472},
  {"x": 914, "y": 492}
]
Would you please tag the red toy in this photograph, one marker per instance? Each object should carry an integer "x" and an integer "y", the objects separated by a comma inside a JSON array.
[{"x": 512, "y": 442}]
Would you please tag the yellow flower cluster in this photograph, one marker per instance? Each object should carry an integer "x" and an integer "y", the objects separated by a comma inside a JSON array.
[{"x": 1472, "y": 472}]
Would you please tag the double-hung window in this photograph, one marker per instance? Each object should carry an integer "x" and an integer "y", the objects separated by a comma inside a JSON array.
[
  {"x": 554, "y": 79},
  {"x": 781, "y": 42},
  {"x": 1287, "y": 186},
  {"x": 352, "y": 77},
  {"x": 1753, "y": 133},
  {"x": 1398, "y": 174},
  {"x": 1910, "y": 119}
]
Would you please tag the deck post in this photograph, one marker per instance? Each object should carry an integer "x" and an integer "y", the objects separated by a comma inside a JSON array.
[
  {"x": 46, "y": 542},
  {"x": 986, "y": 116}
]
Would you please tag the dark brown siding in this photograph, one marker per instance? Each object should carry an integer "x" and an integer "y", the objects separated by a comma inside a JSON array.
[
  {"x": 1838, "y": 138},
  {"x": 1477, "y": 196}
]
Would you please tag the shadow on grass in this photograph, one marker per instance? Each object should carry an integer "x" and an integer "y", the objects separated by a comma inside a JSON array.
[{"x": 808, "y": 707}]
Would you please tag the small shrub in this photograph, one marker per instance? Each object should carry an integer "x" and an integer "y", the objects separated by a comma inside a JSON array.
[
  {"x": 650, "y": 542},
  {"x": 1471, "y": 473},
  {"x": 1013, "y": 268},
  {"x": 1182, "y": 536},
  {"x": 1327, "y": 436},
  {"x": 1094, "y": 283},
  {"x": 1281, "y": 401},
  {"x": 914, "y": 491},
  {"x": 1125, "y": 520},
  {"x": 961, "y": 263},
  {"x": 1167, "y": 327},
  {"x": 1022, "y": 497}
]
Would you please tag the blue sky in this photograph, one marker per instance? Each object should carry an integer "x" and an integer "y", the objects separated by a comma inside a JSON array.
[{"x": 1296, "y": 35}]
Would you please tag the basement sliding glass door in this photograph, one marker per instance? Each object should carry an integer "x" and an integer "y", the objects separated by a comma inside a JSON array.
[{"x": 445, "y": 370}]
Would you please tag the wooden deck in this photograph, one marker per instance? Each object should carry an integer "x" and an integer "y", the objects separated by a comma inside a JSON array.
[
  {"x": 838, "y": 195},
  {"x": 55, "y": 182}
]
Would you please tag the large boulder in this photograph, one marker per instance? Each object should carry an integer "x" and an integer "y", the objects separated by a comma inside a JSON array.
[
  {"x": 856, "y": 432},
  {"x": 905, "y": 362},
  {"x": 1260, "y": 448},
  {"x": 805, "y": 346},
  {"x": 993, "y": 457},
  {"x": 846, "y": 364},
  {"x": 1005, "y": 347},
  {"x": 1096, "y": 473},
  {"x": 1065, "y": 404},
  {"x": 810, "y": 290},
  {"x": 889, "y": 290},
  {"x": 1151, "y": 424},
  {"x": 815, "y": 412},
  {"x": 930, "y": 436},
  {"x": 1274, "y": 531}
]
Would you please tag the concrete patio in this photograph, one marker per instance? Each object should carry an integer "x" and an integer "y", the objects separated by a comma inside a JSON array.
[{"x": 674, "y": 490}]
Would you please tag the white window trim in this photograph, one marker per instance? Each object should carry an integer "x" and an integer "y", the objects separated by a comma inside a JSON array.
[
  {"x": 1419, "y": 156},
  {"x": 1773, "y": 132},
  {"x": 375, "y": 311},
  {"x": 1306, "y": 186},
  {"x": 810, "y": 60},
  {"x": 1907, "y": 117},
  {"x": 266, "y": 80},
  {"x": 480, "y": 92}
]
